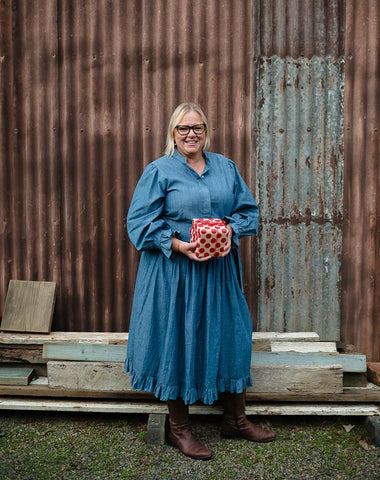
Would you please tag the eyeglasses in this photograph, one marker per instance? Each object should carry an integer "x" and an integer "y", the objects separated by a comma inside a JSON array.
[{"x": 185, "y": 129}]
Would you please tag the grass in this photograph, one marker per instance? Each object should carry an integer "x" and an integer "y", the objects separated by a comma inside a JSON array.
[{"x": 78, "y": 447}]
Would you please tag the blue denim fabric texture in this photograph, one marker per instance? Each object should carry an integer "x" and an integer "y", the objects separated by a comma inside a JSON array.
[{"x": 190, "y": 333}]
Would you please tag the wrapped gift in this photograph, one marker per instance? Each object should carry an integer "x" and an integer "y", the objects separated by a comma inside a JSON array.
[{"x": 210, "y": 234}]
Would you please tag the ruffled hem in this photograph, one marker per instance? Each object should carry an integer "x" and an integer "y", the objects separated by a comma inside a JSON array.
[{"x": 189, "y": 395}]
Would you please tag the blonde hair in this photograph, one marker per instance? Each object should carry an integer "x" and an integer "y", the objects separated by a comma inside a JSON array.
[{"x": 178, "y": 113}]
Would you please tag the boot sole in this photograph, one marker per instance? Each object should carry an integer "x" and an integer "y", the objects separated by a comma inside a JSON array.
[{"x": 170, "y": 442}]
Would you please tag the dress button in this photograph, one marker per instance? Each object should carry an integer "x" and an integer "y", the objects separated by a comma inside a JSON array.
[{"x": 202, "y": 176}]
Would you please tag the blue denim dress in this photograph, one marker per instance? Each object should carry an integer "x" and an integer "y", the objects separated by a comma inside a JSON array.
[{"x": 190, "y": 332}]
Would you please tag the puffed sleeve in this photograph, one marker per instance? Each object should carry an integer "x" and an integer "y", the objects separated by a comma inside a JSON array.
[
  {"x": 146, "y": 228},
  {"x": 244, "y": 218}
]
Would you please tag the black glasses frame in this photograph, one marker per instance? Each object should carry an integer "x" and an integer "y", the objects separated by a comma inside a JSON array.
[{"x": 191, "y": 128}]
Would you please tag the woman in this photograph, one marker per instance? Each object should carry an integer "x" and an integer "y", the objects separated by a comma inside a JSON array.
[{"x": 190, "y": 334}]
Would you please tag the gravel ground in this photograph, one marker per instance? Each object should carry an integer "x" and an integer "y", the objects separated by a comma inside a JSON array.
[{"x": 77, "y": 447}]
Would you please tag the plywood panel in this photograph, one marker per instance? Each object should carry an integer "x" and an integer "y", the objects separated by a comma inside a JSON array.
[{"x": 29, "y": 306}]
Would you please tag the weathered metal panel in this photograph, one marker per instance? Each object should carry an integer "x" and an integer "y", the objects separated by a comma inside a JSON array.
[
  {"x": 361, "y": 241},
  {"x": 301, "y": 28},
  {"x": 101, "y": 159},
  {"x": 6, "y": 142},
  {"x": 300, "y": 189},
  {"x": 29, "y": 200}
]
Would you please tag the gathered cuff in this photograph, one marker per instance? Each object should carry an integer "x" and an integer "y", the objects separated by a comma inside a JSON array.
[
  {"x": 166, "y": 241},
  {"x": 189, "y": 395}
]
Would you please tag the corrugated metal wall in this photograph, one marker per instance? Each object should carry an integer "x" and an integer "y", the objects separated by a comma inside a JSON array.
[
  {"x": 101, "y": 148},
  {"x": 361, "y": 246},
  {"x": 299, "y": 170},
  {"x": 29, "y": 173},
  {"x": 87, "y": 89}
]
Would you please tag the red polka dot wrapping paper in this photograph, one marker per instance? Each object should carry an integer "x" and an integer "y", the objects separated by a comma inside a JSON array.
[{"x": 210, "y": 234}]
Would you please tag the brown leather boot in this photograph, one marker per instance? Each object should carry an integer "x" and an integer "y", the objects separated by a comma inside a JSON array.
[
  {"x": 180, "y": 431},
  {"x": 235, "y": 423}
]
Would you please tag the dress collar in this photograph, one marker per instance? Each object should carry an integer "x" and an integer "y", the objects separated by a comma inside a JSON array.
[{"x": 182, "y": 159}]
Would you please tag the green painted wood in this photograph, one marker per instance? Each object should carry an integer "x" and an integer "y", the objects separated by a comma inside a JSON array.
[
  {"x": 15, "y": 375},
  {"x": 350, "y": 363},
  {"x": 117, "y": 353},
  {"x": 85, "y": 352}
]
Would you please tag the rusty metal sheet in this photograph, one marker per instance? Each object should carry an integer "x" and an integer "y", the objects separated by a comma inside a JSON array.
[
  {"x": 100, "y": 100},
  {"x": 93, "y": 84},
  {"x": 300, "y": 28},
  {"x": 300, "y": 190},
  {"x": 29, "y": 200},
  {"x": 361, "y": 240}
]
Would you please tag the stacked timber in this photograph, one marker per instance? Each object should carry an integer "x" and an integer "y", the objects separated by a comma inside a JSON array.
[
  {"x": 29, "y": 307},
  {"x": 284, "y": 367}
]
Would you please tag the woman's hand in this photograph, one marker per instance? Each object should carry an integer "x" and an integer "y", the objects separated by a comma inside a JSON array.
[
  {"x": 187, "y": 249},
  {"x": 227, "y": 247}
]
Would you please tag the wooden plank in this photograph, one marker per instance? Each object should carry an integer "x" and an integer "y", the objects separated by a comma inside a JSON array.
[
  {"x": 373, "y": 428},
  {"x": 15, "y": 375},
  {"x": 110, "y": 406},
  {"x": 21, "y": 353},
  {"x": 349, "y": 363},
  {"x": 296, "y": 378},
  {"x": 304, "y": 347},
  {"x": 373, "y": 372},
  {"x": 105, "y": 376},
  {"x": 155, "y": 431},
  {"x": 117, "y": 353},
  {"x": 29, "y": 306},
  {"x": 262, "y": 341},
  {"x": 118, "y": 338},
  {"x": 39, "y": 388},
  {"x": 261, "y": 345},
  {"x": 107, "y": 338},
  {"x": 286, "y": 336},
  {"x": 88, "y": 376},
  {"x": 85, "y": 352}
]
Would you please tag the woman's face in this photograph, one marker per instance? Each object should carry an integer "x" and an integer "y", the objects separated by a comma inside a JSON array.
[{"x": 190, "y": 145}]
